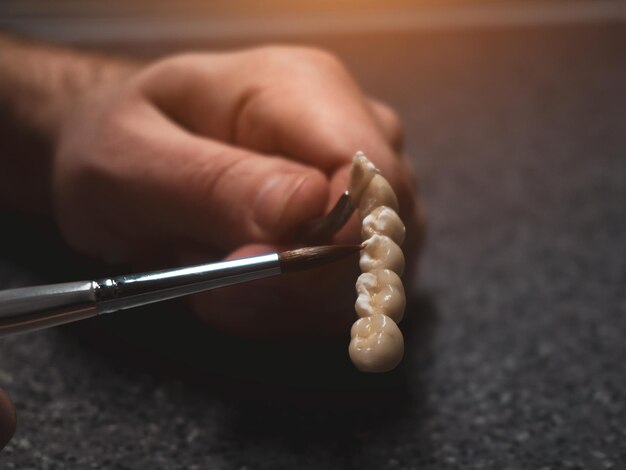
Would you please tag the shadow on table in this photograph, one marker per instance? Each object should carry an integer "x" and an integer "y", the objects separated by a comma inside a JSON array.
[
  {"x": 301, "y": 394},
  {"x": 169, "y": 341}
]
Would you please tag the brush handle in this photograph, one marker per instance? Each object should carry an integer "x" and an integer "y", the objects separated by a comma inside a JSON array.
[{"x": 33, "y": 308}]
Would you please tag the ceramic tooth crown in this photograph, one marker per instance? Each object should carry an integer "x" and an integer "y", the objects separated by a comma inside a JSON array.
[
  {"x": 380, "y": 291},
  {"x": 377, "y": 193},
  {"x": 381, "y": 252},
  {"x": 377, "y": 344},
  {"x": 383, "y": 221},
  {"x": 361, "y": 174}
]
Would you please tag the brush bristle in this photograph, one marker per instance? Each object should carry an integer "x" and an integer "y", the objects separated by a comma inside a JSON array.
[{"x": 313, "y": 256}]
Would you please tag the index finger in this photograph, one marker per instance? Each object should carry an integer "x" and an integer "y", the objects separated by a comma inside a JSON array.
[
  {"x": 312, "y": 110},
  {"x": 296, "y": 102}
]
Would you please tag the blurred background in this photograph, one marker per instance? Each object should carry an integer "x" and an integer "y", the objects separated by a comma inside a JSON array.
[
  {"x": 515, "y": 120},
  {"x": 143, "y": 21}
]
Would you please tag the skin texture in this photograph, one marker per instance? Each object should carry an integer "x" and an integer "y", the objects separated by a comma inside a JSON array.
[{"x": 199, "y": 157}]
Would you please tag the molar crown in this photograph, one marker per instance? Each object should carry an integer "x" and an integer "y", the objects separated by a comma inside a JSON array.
[
  {"x": 381, "y": 252},
  {"x": 383, "y": 221},
  {"x": 380, "y": 291},
  {"x": 377, "y": 344}
]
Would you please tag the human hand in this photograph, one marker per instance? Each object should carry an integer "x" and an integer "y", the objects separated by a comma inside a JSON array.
[
  {"x": 203, "y": 156},
  {"x": 7, "y": 419}
]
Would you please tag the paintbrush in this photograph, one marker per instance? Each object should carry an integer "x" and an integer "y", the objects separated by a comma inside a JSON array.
[{"x": 33, "y": 308}]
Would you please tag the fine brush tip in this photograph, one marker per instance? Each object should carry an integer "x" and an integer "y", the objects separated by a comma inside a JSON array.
[{"x": 314, "y": 256}]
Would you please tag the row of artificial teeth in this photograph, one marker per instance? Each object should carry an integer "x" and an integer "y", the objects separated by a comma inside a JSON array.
[{"x": 376, "y": 342}]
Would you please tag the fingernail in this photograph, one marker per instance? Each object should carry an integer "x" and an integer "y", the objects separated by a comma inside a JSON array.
[{"x": 271, "y": 200}]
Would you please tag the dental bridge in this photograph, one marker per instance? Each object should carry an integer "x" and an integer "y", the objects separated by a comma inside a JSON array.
[{"x": 377, "y": 344}]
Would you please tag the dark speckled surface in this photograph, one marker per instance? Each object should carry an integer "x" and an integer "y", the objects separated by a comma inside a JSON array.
[{"x": 517, "y": 338}]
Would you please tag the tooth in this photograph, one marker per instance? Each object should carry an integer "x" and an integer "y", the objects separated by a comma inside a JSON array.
[
  {"x": 366, "y": 287},
  {"x": 377, "y": 344},
  {"x": 380, "y": 291},
  {"x": 377, "y": 193},
  {"x": 383, "y": 221},
  {"x": 381, "y": 252},
  {"x": 361, "y": 174}
]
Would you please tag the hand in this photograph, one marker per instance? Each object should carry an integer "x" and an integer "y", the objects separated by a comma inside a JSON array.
[
  {"x": 7, "y": 419},
  {"x": 202, "y": 156}
]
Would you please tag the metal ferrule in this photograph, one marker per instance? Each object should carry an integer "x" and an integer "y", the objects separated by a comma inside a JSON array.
[{"x": 123, "y": 292}]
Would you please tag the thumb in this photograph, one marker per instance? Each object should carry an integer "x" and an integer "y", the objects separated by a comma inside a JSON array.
[
  {"x": 216, "y": 194},
  {"x": 7, "y": 419}
]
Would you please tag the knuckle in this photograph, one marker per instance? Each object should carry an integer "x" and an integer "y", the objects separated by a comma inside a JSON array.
[
  {"x": 178, "y": 65},
  {"x": 390, "y": 123},
  {"x": 319, "y": 56},
  {"x": 402, "y": 179},
  {"x": 387, "y": 114},
  {"x": 396, "y": 133},
  {"x": 295, "y": 58},
  {"x": 177, "y": 61},
  {"x": 393, "y": 118}
]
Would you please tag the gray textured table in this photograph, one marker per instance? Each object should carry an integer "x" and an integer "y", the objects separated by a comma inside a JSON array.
[{"x": 517, "y": 342}]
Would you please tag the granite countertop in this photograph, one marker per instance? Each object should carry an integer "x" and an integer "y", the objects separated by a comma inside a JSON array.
[{"x": 516, "y": 331}]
